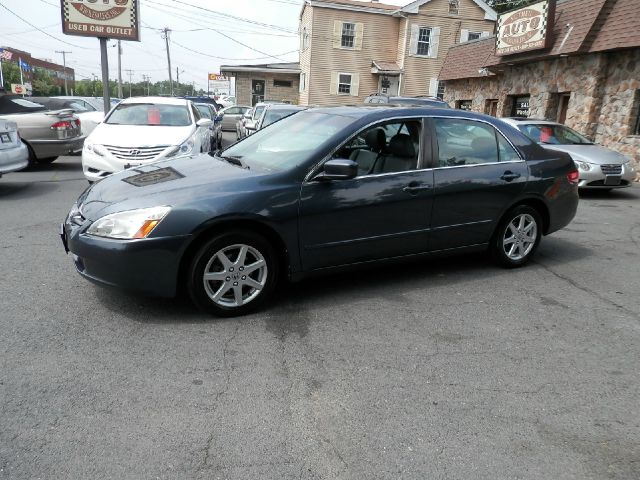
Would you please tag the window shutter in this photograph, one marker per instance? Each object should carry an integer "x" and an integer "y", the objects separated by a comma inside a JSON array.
[
  {"x": 435, "y": 40},
  {"x": 464, "y": 35},
  {"x": 303, "y": 81},
  {"x": 333, "y": 88},
  {"x": 413, "y": 43},
  {"x": 433, "y": 87},
  {"x": 485, "y": 34},
  {"x": 337, "y": 34},
  {"x": 355, "y": 84},
  {"x": 357, "y": 45}
]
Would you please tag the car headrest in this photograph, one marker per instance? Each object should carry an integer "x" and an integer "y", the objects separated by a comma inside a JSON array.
[
  {"x": 484, "y": 145},
  {"x": 401, "y": 145},
  {"x": 375, "y": 139}
]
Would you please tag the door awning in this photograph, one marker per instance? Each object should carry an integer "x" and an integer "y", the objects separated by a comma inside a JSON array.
[{"x": 385, "y": 68}]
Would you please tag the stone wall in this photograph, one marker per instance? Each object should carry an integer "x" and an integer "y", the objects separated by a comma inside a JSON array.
[
  {"x": 604, "y": 94},
  {"x": 286, "y": 94}
]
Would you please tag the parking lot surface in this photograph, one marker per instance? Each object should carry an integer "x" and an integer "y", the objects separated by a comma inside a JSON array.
[{"x": 444, "y": 369}]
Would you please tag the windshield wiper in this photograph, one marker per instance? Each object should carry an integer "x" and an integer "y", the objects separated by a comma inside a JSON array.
[{"x": 234, "y": 161}]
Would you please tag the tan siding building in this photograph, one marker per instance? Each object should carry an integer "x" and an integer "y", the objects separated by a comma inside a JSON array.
[{"x": 351, "y": 49}]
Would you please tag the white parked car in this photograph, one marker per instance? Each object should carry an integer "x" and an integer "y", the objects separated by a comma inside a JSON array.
[
  {"x": 226, "y": 101},
  {"x": 599, "y": 167},
  {"x": 13, "y": 153},
  {"x": 141, "y": 130}
]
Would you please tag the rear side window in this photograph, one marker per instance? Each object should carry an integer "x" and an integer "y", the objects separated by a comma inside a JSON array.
[{"x": 467, "y": 142}]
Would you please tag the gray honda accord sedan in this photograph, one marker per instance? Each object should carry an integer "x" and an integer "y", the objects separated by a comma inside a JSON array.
[{"x": 326, "y": 189}]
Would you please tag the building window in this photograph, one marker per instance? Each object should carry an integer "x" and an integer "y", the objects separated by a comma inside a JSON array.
[
  {"x": 520, "y": 106},
  {"x": 424, "y": 41},
  {"x": 454, "y": 7},
  {"x": 303, "y": 82},
  {"x": 636, "y": 127},
  {"x": 474, "y": 36},
  {"x": 344, "y": 84},
  {"x": 283, "y": 83},
  {"x": 348, "y": 35},
  {"x": 464, "y": 105},
  {"x": 441, "y": 90}
]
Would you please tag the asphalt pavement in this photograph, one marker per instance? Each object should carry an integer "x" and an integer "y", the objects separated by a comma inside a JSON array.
[{"x": 446, "y": 369}]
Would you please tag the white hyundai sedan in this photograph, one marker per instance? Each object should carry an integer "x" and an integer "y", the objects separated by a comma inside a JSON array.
[{"x": 141, "y": 130}]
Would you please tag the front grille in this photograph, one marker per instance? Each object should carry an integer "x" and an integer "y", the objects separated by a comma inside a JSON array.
[
  {"x": 611, "y": 169},
  {"x": 136, "y": 153}
]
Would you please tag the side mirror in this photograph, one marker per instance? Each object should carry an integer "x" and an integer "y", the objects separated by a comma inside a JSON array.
[
  {"x": 203, "y": 122},
  {"x": 219, "y": 117},
  {"x": 338, "y": 169}
]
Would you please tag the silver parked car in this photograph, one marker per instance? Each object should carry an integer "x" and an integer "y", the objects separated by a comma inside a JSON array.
[
  {"x": 231, "y": 115},
  {"x": 14, "y": 154},
  {"x": 47, "y": 134},
  {"x": 599, "y": 167},
  {"x": 274, "y": 112}
]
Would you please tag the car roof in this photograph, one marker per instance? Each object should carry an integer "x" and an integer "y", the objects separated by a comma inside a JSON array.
[
  {"x": 382, "y": 111},
  {"x": 285, "y": 106},
  {"x": 156, "y": 100},
  {"x": 523, "y": 120}
]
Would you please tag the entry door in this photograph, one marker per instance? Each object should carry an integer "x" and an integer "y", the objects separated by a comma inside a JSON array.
[
  {"x": 479, "y": 174},
  {"x": 257, "y": 91},
  {"x": 389, "y": 85},
  {"x": 382, "y": 213},
  {"x": 563, "y": 107}
]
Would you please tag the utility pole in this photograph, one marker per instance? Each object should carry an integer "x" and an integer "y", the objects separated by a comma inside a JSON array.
[
  {"x": 146, "y": 78},
  {"x": 130, "y": 72},
  {"x": 64, "y": 63},
  {"x": 166, "y": 32},
  {"x": 119, "y": 69}
]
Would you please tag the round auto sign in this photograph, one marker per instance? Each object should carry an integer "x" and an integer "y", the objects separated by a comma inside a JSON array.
[
  {"x": 522, "y": 26},
  {"x": 19, "y": 89}
]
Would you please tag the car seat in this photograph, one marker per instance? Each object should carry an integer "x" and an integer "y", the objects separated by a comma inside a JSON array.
[
  {"x": 366, "y": 159},
  {"x": 402, "y": 155}
]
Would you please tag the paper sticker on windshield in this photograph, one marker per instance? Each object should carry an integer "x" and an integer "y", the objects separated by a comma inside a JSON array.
[{"x": 156, "y": 176}]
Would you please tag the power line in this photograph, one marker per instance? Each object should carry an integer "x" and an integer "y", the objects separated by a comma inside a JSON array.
[
  {"x": 39, "y": 29},
  {"x": 226, "y": 58}
]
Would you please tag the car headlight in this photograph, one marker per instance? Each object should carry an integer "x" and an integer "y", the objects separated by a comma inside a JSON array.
[
  {"x": 584, "y": 166},
  {"x": 128, "y": 225},
  {"x": 93, "y": 148},
  {"x": 183, "y": 150}
]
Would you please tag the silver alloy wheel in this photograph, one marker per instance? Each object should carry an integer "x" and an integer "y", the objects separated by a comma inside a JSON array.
[
  {"x": 235, "y": 275},
  {"x": 520, "y": 237}
]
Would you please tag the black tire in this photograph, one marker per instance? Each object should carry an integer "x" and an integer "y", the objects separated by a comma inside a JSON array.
[
  {"x": 202, "y": 292},
  {"x": 523, "y": 247},
  {"x": 48, "y": 160},
  {"x": 220, "y": 142},
  {"x": 32, "y": 157}
]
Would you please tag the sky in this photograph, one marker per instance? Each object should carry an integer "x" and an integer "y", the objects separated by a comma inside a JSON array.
[{"x": 267, "y": 28}]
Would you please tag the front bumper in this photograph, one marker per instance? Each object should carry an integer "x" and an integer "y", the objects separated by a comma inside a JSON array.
[
  {"x": 149, "y": 266},
  {"x": 55, "y": 148},
  {"x": 96, "y": 167},
  {"x": 595, "y": 178},
  {"x": 14, "y": 159}
]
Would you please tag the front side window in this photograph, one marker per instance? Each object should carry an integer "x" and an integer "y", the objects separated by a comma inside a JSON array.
[
  {"x": 258, "y": 112},
  {"x": 348, "y": 35},
  {"x": 305, "y": 39},
  {"x": 466, "y": 142},
  {"x": 344, "y": 84},
  {"x": 385, "y": 148},
  {"x": 441, "y": 90},
  {"x": 521, "y": 106},
  {"x": 150, "y": 114},
  {"x": 204, "y": 111},
  {"x": 424, "y": 41}
]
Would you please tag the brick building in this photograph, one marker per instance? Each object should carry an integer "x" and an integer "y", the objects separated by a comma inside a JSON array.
[
  {"x": 53, "y": 70},
  {"x": 256, "y": 83},
  {"x": 588, "y": 77}
]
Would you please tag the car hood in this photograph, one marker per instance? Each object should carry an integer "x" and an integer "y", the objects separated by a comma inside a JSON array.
[
  {"x": 139, "y": 135},
  {"x": 167, "y": 182},
  {"x": 590, "y": 153}
]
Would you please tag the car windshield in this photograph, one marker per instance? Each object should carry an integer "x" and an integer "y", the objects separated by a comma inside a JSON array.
[
  {"x": 289, "y": 143},
  {"x": 553, "y": 134},
  {"x": 150, "y": 114},
  {"x": 274, "y": 115}
]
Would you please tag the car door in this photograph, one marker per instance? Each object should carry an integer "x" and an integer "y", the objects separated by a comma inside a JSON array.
[
  {"x": 478, "y": 174},
  {"x": 203, "y": 134},
  {"x": 383, "y": 212}
]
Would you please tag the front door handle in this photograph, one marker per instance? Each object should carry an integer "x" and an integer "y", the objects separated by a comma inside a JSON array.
[
  {"x": 415, "y": 188},
  {"x": 509, "y": 176}
]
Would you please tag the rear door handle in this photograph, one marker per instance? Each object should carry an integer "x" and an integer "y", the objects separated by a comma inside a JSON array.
[
  {"x": 414, "y": 188},
  {"x": 509, "y": 176}
]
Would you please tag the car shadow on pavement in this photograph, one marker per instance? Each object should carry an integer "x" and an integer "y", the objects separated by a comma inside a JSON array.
[
  {"x": 19, "y": 190},
  {"x": 615, "y": 194}
]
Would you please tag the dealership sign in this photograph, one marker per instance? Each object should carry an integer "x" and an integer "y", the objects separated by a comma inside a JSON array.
[
  {"x": 117, "y": 19},
  {"x": 525, "y": 29}
]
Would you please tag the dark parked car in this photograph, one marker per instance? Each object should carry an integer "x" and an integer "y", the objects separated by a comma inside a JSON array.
[
  {"x": 325, "y": 189},
  {"x": 397, "y": 100},
  {"x": 205, "y": 99}
]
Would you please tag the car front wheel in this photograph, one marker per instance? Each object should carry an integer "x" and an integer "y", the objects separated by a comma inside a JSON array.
[
  {"x": 233, "y": 274},
  {"x": 517, "y": 237}
]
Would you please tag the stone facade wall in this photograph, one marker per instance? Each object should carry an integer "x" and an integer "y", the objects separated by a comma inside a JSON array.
[
  {"x": 286, "y": 94},
  {"x": 604, "y": 90}
]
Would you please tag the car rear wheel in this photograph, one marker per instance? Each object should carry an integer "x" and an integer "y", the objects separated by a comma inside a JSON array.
[
  {"x": 233, "y": 274},
  {"x": 517, "y": 237}
]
